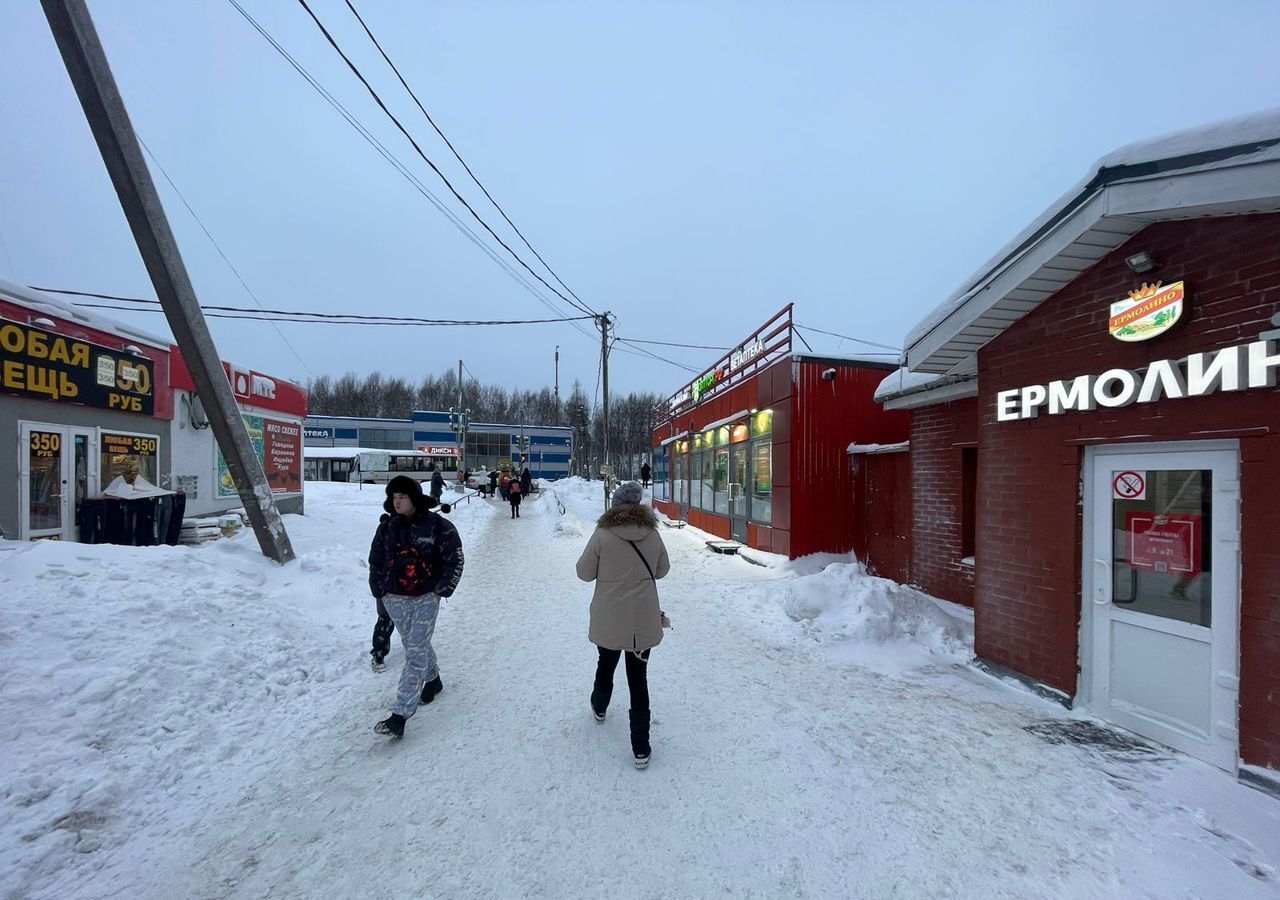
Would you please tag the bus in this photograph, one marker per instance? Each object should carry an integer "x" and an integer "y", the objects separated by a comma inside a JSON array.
[{"x": 361, "y": 465}]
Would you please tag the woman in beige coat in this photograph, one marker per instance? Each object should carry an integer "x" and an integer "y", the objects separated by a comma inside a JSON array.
[{"x": 625, "y": 557}]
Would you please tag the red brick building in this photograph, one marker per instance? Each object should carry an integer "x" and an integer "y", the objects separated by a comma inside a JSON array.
[
  {"x": 755, "y": 449},
  {"x": 1095, "y": 446}
]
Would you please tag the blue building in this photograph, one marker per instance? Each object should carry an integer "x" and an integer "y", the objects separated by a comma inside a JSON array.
[{"x": 546, "y": 449}]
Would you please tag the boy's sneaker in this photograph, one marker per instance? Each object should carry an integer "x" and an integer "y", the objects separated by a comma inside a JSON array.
[
  {"x": 430, "y": 689},
  {"x": 642, "y": 762},
  {"x": 392, "y": 726},
  {"x": 378, "y": 662}
]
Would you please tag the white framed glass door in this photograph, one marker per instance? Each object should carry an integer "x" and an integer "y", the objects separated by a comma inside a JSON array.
[
  {"x": 56, "y": 473},
  {"x": 1160, "y": 621}
]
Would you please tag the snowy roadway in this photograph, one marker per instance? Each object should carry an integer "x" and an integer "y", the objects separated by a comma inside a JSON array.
[{"x": 179, "y": 722}]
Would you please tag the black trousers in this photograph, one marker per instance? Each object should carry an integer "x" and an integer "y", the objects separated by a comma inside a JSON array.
[{"x": 637, "y": 678}]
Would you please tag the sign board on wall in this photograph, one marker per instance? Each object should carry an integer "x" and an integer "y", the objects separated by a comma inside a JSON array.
[
  {"x": 278, "y": 445},
  {"x": 1150, "y": 311},
  {"x": 47, "y": 366}
]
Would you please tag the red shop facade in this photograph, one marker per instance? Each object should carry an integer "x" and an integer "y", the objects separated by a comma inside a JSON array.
[
  {"x": 755, "y": 449},
  {"x": 1104, "y": 411}
]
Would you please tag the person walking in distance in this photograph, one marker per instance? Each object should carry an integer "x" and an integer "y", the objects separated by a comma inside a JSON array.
[
  {"x": 526, "y": 482},
  {"x": 514, "y": 492},
  {"x": 644, "y": 475},
  {"x": 415, "y": 562},
  {"x": 625, "y": 557},
  {"x": 437, "y": 484}
]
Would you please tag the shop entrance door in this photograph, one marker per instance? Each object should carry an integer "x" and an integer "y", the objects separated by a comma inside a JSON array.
[
  {"x": 738, "y": 498},
  {"x": 1160, "y": 627},
  {"x": 54, "y": 477}
]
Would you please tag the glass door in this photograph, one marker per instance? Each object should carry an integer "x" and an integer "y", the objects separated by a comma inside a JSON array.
[
  {"x": 1162, "y": 575},
  {"x": 738, "y": 497},
  {"x": 55, "y": 477}
]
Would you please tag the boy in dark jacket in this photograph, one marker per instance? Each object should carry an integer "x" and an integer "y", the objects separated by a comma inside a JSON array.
[{"x": 415, "y": 561}]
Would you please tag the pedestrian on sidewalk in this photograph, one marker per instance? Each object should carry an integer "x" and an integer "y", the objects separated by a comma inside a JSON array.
[
  {"x": 493, "y": 483},
  {"x": 514, "y": 492},
  {"x": 415, "y": 562},
  {"x": 437, "y": 484},
  {"x": 625, "y": 557},
  {"x": 644, "y": 475},
  {"x": 526, "y": 482}
]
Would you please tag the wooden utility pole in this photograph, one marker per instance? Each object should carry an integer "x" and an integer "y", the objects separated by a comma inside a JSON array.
[{"x": 90, "y": 73}]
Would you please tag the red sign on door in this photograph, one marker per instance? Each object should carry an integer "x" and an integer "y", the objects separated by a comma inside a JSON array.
[{"x": 1164, "y": 543}]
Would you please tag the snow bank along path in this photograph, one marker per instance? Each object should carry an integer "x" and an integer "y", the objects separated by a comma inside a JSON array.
[{"x": 184, "y": 722}]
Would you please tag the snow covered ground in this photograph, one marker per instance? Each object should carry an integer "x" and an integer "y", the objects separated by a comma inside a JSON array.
[{"x": 196, "y": 722}]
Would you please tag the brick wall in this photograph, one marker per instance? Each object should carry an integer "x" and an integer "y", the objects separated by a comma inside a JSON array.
[
  {"x": 938, "y": 435},
  {"x": 1029, "y": 535}
]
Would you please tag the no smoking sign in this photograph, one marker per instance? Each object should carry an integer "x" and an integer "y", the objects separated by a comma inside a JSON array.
[{"x": 1129, "y": 486}]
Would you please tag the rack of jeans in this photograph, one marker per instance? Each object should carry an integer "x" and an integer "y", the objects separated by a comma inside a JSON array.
[{"x": 135, "y": 522}]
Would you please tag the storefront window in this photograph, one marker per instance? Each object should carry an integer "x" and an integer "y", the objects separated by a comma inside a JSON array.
[
  {"x": 762, "y": 481},
  {"x": 722, "y": 478},
  {"x": 119, "y": 448},
  {"x": 738, "y": 432},
  {"x": 722, "y": 435},
  {"x": 705, "y": 480},
  {"x": 680, "y": 485},
  {"x": 762, "y": 423}
]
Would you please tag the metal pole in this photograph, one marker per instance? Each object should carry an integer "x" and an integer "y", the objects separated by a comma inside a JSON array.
[
  {"x": 604, "y": 372},
  {"x": 108, "y": 119},
  {"x": 558, "y": 380},
  {"x": 459, "y": 434}
]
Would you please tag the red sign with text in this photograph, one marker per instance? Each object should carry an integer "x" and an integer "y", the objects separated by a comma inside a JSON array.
[{"x": 1164, "y": 543}]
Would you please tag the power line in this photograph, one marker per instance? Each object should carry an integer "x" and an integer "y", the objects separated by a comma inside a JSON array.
[
  {"x": 377, "y": 99},
  {"x": 263, "y": 313},
  {"x": 659, "y": 358},
  {"x": 230, "y": 265},
  {"x": 854, "y": 339},
  {"x": 669, "y": 344},
  {"x": 457, "y": 155},
  {"x": 401, "y": 167},
  {"x": 254, "y": 315}
]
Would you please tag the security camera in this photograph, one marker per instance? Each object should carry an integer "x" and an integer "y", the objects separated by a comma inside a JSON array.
[{"x": 828, "y": 374}]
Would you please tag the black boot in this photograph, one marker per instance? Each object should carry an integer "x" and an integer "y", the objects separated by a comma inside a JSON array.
[
  {"x": 640, "y": 748},
  {"x": 392, "y": 726},
  {"x": 430, "y": 689},
  {"x": 599, "y": 703}
]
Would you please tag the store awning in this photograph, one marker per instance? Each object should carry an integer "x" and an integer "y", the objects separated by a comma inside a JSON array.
[
  {"x": 741, "y": 414},
  {"x": 675, "y": 437}
]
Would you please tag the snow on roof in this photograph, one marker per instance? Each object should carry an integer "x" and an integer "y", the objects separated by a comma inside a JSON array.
[
  {"x": 904, "y": 382},
  {"x": 39, "y": 300},
  {"x": 879, "y": 360},
  {"x": 1257, "y": 134},
  {"x": 878, "y": 448}
]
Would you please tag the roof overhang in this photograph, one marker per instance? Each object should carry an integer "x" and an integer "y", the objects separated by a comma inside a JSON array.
[{"x": 1098, "y": 224}]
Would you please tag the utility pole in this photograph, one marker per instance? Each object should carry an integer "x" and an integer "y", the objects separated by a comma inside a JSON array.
[
  {"x": 108, "y": 119},
  {"x": 557, "y": 379},
  {"x": 459, "y": 421},
  {"x": 604, "y": 375}
]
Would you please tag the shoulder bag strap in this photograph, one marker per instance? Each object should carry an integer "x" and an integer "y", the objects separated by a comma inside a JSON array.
[{"x": 648, "y": 568}]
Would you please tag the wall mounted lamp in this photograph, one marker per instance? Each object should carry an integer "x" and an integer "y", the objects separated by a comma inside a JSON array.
[
  {"x": 1140, "y": 262},
  {"x": 41, "y": 322},
  {"x": 132, "y": 348}
]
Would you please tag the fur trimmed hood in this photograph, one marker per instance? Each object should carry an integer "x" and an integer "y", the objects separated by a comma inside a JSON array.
[{"x": 630, "y": 514}]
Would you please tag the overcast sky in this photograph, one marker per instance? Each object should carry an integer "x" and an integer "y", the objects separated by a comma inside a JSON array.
[{"x": 691, "y": 167}]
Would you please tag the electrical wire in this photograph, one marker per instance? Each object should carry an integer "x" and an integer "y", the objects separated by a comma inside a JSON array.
[
  {"x": 264, "y": 314},
  {"x": 402, "y": 168},
  {"x": 377, "y": 99},
  {"x": 457, "y": 155},
  {"x": 854, "y": 339},
  {"x": 669, "y": 344},
  {"x": 254, "y": 315},
  {"x": 216, "y": 246},
  {"x": 653, "y": 355}
]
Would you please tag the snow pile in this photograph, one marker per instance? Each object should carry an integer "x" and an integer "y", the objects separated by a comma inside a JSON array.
[{"x": 875, "y": 622}]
